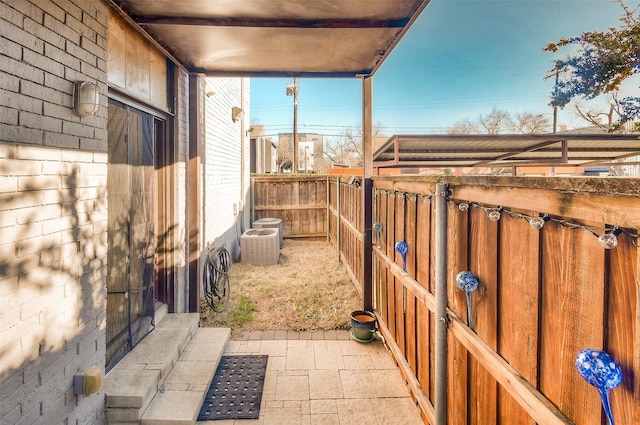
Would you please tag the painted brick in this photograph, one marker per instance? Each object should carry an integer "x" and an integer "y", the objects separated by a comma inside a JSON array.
[
  {"x": 38, "y": 91},
  {"x": 55, "y": 82},
  {"x": 77, "y": 129},
  {"x": 28, "y": 9},
  {"x": 92, "y": 19},
  {"x": 49, "y": 66},
  {"x": 101, "y": 40},
  {"x": 8, "y": 116},
  {"x": 81, "y": 28},
  {"x": 30, "y": 415},
  {"x": 26, "y": 183},
  {"x": 61, "y": 56},
  {"x": 71, "y": 7},
  {"x": 52, "y": 10},
  {"x": 91, "y": 47},
  {"x": 10, "y": 384},
  {"x": 10, "y": 14},
  {"x": 21, "y": 168},
  {"x": 61, "y": 140},
  {"x": 21, "y": 232},
  {"x": 9, "y": 284},
  {"x": 77, "y": 52},
  {"x": 12, "y": 416},
  {"x": 10, "y": 133},
  {"x": 43, "y": 33},
  {"x": 10, "y": 49},
  {"x": 91, "y": 69},
  {"x": 8, "y": 83},
  {"x": 93, "y": 144},
  {"x": 54, "y": 408},
  {"x": 57, "y": 32},
  {"x": 57, "y": 110},
  {"x": 42, "y": 122},
  {"x": 28, "y": 104},
  {"x": 52, "y": 369},
  {"x": 39, "y": 213},
  {"x": 23, "y": 70},
  {"x": 36, "y": 152},
  {"x": 8, "y": 151},
  {"x": 55, "y": 168},
  {"x": 22, "y": 37}
]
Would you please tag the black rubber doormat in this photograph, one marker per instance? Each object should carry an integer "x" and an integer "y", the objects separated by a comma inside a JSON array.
[{"x": 236, "y": 390}]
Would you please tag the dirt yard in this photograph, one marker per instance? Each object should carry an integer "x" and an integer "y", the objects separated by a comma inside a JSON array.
[{"x": 308, "y": 290}]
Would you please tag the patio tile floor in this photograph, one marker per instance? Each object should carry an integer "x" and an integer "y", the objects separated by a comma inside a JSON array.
[{"x": 325, "y": 378}]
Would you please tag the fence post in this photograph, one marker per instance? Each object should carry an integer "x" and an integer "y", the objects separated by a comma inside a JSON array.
[
  {"x": 441, "y": 304},
  {"x": 338, "y": 217},
  {"x": 328, "y": 211}
]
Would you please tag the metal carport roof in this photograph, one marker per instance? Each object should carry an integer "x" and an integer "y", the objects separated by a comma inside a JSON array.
[
  {"x": 505, "y": 150},
  {"x": 330, "y": 38}
]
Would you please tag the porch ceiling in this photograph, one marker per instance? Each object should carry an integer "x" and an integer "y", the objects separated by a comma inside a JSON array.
[
  {"x": 504, "y": 150},
  {"x": 323, "y": 38}
]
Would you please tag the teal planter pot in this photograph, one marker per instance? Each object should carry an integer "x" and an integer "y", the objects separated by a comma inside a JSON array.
[{"x": 363, "y": 323}]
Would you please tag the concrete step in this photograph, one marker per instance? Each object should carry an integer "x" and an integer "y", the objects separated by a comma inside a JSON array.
[
  {"x": 181, "y": 397},
  {"x": 133, "y": 383}
]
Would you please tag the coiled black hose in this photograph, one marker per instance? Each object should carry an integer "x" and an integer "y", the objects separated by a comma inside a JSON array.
[{"x": 216, "y": 278}]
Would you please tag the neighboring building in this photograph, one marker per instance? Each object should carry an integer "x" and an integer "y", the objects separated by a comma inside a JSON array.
[
  {"x": 104, "y": 216},
  {"x": 264, "y": 153},
  {"x": 310, "y": 148}
]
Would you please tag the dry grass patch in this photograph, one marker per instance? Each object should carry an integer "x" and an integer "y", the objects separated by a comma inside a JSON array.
[{"x": 307, "y": 290}]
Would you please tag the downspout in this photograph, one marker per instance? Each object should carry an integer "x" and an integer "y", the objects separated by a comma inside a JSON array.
[
  {"x": 243, "y": 141},
  {"x": 441, "y": 305}
]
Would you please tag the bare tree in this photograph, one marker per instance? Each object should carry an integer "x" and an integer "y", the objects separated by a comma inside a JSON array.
[
  {"x": 498, "y": 121},
  {"x": 284, "y": 158},
  {"x": 344, "y": 150},
  {"x": 529, "y": 123},
  {"x": 347, "y": 148},
  {"x": 465, "y": 126},
  {"x": 495, "y": 122}
]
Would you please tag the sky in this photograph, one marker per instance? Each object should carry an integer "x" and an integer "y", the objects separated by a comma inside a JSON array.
[{"x": 460, "y": 59}]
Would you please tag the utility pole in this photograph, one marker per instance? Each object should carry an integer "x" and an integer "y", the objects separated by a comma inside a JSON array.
[
  {"x": 292, "y": 90},
  {"x": 555, "y": 109}
]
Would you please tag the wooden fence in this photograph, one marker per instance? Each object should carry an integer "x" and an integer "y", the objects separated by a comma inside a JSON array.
[
  {"x": 300, "y": 201},
  {"x": 544, "y": 295}
]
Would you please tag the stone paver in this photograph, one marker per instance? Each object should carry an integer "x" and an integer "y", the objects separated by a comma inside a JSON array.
[{"x": 326, "y": 378}]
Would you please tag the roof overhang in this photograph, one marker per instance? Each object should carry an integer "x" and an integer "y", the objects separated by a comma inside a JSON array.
[
  {"x": 276, "y": 38},
  {"x": 503, "y": 150}
]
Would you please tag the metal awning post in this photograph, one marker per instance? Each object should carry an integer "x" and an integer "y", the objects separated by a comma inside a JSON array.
[
  {"x": 441, "y": 304},
  {"x": 367, "y": 189}
]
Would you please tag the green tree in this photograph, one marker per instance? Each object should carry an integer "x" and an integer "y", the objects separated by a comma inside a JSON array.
[{"x": 601, "y": 62}]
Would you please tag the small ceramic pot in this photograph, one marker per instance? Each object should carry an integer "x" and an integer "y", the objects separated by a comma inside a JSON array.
[{"x": 363, "y": 323}]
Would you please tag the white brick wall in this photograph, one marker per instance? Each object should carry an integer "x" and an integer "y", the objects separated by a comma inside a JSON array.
[
  {"x": 53, "y": 217},
  {"x": 222, "y": 164}
]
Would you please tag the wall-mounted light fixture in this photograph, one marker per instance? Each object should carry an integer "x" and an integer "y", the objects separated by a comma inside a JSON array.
[
  {"x": 89, "y": 382},
  {"x": 86, "y": 98},
  {"x": 236, "y": 113}
]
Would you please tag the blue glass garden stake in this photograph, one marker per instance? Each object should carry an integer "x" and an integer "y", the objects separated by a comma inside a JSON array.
[
  {"x": 599, "y": 369},
  {"x": 468, "y": 282},
  {"x": 402, "y": 248}
]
